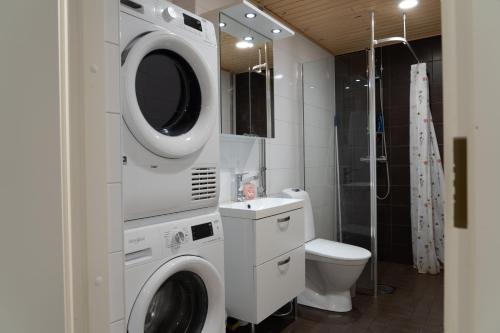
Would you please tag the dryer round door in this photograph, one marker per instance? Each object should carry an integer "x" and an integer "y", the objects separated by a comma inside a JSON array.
[
  {"x": 184, "y": 295},
  {"x": 169, "y": 94}
]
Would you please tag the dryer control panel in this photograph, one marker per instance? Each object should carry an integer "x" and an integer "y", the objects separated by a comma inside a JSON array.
[{"x": 173, "y": 15}]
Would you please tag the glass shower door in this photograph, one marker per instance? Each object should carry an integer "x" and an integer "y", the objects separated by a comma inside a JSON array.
[{"x": 352, "y": 123}]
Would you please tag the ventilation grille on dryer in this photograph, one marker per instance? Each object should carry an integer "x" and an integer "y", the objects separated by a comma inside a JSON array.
[{"x": 203, "y": 184}]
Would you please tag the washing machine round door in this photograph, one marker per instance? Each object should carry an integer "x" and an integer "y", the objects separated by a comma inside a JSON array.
[
  {"x": 184, "y": 295},
  {"x": 169, "y": 94}
]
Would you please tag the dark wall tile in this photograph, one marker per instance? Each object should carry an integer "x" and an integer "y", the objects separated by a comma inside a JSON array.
[
  {"x": 402, "y": 254},
  {"x": 400, "y": 135},
  {"x": 424, "y": 49},
  {"x": 399, "y": 155},
  {"x": 438, "y": 128},
  {"x": 400, "y": 195},
  {"x": 400, "y": 175},
  {"x": 401, "y": 235},
  {"x": 437, "y": 74},
  {"x": 399, "y": 95},
  {"x": 437, "y": 112},
  {"x": 399, "y": 116},
  {"x": 436, "y": 92},
  {"x": 384, "y": 214},
  {"x": 401, "y": 215}
]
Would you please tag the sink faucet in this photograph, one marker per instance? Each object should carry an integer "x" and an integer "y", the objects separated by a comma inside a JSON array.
[{"x": 239, "y": 188}]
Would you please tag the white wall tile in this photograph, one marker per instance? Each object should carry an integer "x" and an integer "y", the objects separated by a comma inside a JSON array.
[
  {"x": 279, "y": 179},
  {"x": 286, "y": 134},
  {"x": 319, "y": 176},
  {"x": 227, "y": 186},
  {"x": 282, "y": 156},
  {"x": 117, "y": 327},
  {"x": 287, "y": 109},
  {"x": 237, "y": 154},
  {"x": 319, "y": 117},
  {"x": 111, "y": 19},
  {"x": 112, "y": 79},
  {"x": 115, "y": 218},
  {"x": 116, "y": 287},
  {"x": 286, "y": 76},
  {"x": 318, "y": 156},
  {"x": 113, "y": 148},
  {"x": 318, "y": 137}
]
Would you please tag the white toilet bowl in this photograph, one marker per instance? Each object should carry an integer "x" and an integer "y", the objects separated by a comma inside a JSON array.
[{"x": 332, "y": 268}]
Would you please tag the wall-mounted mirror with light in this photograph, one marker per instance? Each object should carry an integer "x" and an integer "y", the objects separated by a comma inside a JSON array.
[
  {"x": 246, "y": 35},
  {"x": 246, "y": 63}
]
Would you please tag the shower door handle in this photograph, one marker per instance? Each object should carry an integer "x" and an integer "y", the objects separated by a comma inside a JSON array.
[{"x": 460, "y": 182}]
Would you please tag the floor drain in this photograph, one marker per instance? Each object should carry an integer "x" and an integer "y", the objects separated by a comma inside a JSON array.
[{"x": 385, "y": 289}]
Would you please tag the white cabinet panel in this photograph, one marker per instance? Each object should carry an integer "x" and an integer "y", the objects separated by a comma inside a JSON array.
[
  {"x": 279, "y": 280},
  {"x": 278, "y": 234}
]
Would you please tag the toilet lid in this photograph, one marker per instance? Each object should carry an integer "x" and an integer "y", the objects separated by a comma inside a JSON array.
[{"x": 335, "y": 250}]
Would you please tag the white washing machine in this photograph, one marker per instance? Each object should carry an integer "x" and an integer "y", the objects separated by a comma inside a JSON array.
[
  {"x": 170, "y": 107},
  {"x": 174, "y": 276}
]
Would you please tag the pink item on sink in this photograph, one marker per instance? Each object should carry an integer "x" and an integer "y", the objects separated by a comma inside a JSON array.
[{"x": 250, "y": 191}]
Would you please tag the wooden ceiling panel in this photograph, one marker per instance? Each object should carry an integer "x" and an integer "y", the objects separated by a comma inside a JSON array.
[{"x": 343, "y": 26}]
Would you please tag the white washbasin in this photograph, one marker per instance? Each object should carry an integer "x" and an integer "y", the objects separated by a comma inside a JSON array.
[{"x": 259, "y": 208}]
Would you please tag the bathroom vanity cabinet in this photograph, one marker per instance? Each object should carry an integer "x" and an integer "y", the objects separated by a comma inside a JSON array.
[{"x": 264, "y": 262}]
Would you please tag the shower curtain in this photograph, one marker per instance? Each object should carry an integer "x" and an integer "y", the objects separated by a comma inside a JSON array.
[{"x": 426, "y": 176}]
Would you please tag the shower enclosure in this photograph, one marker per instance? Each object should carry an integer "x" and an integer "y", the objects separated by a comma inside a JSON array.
[{"x": 357, "y": 140}]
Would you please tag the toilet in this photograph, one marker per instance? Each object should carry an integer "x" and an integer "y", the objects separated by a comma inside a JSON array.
[{"x": 332, "y": 268}]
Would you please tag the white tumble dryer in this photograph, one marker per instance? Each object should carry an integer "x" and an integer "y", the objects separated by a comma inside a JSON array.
[
  {"x": 170, "y": 103},
  {"x": 174, "y": 276}
]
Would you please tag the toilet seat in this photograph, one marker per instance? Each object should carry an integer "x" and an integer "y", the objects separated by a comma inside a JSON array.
[{"x": 334, "y": 252}]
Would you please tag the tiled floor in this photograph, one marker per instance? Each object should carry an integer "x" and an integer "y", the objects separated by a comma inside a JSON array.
[{"x": 416, "y": 306}]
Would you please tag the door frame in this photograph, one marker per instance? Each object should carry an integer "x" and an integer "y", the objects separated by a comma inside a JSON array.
[{"x": 471, "y": 70}]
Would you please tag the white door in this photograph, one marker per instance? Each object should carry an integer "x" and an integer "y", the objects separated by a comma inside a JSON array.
[
  {"x": 471, "y": 50},
  {"x": 169, "y": 95},
  {"x": 186, "y": 294}
]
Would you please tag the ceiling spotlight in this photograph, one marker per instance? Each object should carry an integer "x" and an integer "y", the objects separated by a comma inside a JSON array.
[
  {"x": 347, "y": 88},
  {"x": 250, "y": 15},
  {"x": 276, "y": 31},
  {"x": 222, "y": 24},
  {"x": 358, "y": 80},
  {"x": 244, "y": 45},
  {"x": 248, "y": 38},
  {"x": 407, "y": 4}
]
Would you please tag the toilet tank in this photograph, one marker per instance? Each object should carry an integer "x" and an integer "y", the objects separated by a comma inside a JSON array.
[{"x": 296, "y": 193}]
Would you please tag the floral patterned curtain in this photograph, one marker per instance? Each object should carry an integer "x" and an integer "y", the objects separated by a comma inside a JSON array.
[{"x": 426, "y": 174}]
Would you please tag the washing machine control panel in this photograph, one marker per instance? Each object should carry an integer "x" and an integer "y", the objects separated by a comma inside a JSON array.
[{"x": 187, "y": 234}]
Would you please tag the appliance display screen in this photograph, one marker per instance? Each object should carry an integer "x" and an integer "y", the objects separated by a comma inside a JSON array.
[
  {"x": 202, "y": 231},
  {"x": 192, "y": 22}
]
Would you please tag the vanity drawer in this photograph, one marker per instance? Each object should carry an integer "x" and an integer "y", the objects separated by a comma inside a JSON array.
[
  {"x": 279, "y": 280},
  {"x": 278, "y": 234}
]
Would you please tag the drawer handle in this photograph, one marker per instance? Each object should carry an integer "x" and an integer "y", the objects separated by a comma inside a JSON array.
[
  {"x": 284, "y": 262},
  {"x": 284, "y": 219}
]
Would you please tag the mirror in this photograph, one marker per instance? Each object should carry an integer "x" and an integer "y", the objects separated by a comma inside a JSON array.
[{"x": 246, "y": 79}]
